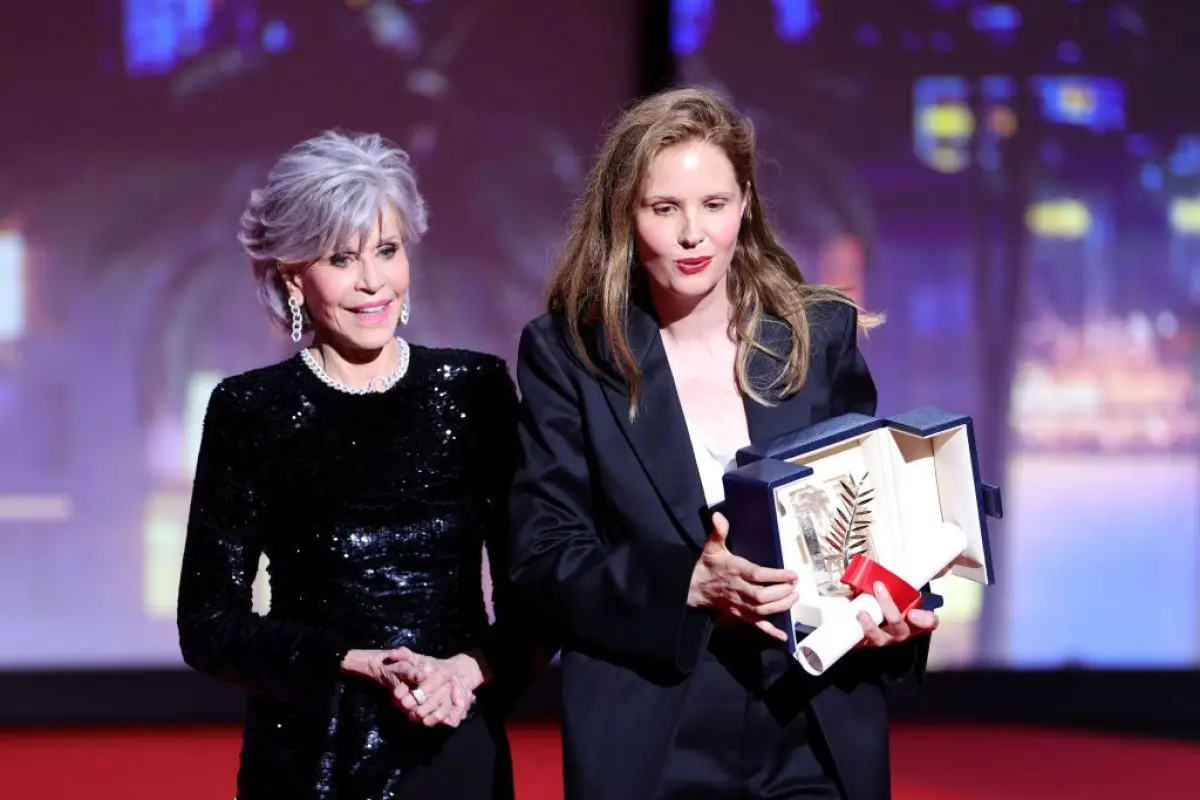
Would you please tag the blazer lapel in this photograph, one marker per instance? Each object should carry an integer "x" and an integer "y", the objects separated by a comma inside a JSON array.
[
  {"x": 786, "y": 413},
  {"x": 659, "y": 436}
]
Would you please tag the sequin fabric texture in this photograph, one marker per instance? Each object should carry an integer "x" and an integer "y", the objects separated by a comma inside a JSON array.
[{"x": 372, "y": 511}]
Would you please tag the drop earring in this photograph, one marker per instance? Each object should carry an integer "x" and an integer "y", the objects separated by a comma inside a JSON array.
[
  {"x": 297, "y": 318},
  {"x": 404, "y": 311}
]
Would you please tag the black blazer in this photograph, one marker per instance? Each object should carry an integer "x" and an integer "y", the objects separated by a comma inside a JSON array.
[{"x": 608, "y": 519}]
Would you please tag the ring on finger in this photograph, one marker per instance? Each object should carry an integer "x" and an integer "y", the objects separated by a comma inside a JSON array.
[{"x": 419, "y": 695}]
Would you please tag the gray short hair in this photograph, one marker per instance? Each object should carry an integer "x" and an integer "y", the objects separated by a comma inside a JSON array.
[{"x": 317, "y": 197}]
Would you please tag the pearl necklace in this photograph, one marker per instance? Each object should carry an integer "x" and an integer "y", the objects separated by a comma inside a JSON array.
[{"x": 377, "y": 385}]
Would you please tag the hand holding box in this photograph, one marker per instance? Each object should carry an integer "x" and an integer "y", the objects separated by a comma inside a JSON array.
[{"x": 841, "y": 632}]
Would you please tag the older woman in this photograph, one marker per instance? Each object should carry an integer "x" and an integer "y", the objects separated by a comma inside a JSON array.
[{"x": 371, "y": 472}]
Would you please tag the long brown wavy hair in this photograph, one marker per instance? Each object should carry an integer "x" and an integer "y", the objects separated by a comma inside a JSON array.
[{"x": 594, "y": 277}]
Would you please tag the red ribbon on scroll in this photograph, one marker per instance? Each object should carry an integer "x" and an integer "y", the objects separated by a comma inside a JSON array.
[{"x": 863, "y": 574}]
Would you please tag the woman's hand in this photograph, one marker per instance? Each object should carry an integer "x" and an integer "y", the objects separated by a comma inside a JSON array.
[
  {"x": 372, "y": 665},
  {"x": 435, "y": 691},
  {"x": 896, "y": 628},
  {"x": 445, "y": 697},
  {"x": 738, "y": 588}
]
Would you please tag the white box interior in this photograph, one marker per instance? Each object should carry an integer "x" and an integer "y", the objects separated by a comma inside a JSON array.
[{"x": 919, "y": 483}]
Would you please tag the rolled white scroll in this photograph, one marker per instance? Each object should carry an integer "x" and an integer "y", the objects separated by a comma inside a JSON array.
[{"x": 841, "y": 630}]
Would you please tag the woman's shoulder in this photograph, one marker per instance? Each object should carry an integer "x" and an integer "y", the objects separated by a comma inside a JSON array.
[
  {"x": 831, "y": 322},
  {"x": 450, "y": 363},
  {"x": 260, "y": 381},
  {"x": 253, "y": 395},
  {"x": 551, "y": 334},
  {"x": 550, "y": 327}
]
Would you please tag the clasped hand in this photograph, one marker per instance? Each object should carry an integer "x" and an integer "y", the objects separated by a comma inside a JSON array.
[
  {"x": 434, "y": 690},
  {"x": 742, "y": 590},
  {"x": 431, "y": 691}
]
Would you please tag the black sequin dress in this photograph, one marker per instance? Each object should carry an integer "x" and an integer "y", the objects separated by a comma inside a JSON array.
[{"x": 373, "y": 511}]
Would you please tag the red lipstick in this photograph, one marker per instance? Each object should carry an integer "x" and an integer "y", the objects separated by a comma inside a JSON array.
[{"x": 693, "y": 266}]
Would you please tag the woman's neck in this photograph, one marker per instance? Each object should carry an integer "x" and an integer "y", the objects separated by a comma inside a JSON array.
[
  {"x": 356, "y": 368},
  {"x": 699, "y": 322}
]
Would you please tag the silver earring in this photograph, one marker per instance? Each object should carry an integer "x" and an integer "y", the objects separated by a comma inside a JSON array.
[
  {"x": 297, "y": 318},
  {"x": 404, "y": 311}
]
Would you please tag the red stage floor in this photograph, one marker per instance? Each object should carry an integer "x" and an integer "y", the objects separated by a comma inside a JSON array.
[{"x": 931, "y": 763}]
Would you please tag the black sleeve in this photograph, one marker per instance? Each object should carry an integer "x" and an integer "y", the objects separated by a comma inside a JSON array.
[
  {"x": 627, "y": 599},
  {"x": 902, "y": 665},
  {"x": 520, "y": 642},
  {"x": 219, "y": 633}
]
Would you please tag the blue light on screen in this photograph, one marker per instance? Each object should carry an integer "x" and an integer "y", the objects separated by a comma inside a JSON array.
[
  {"x": 159, "y": 33},
  {"x": 998, "y": 22},
  {"x": 998, "y": 88},
  {"x": 1088, "y": 101},
  {"x": 942, "y": 122},
  {"x": 1151, "y": 177},
  {"x": 690, "y": 20},
  {"x": 276, "y": 37},
  {"x": 1186, "y": 158},
  {"x": 995, "y": 17},
  {"x": 795, "y": 19}
]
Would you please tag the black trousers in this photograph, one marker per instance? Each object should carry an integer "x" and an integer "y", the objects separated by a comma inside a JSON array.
[
  {"x": 737, "y": 741},
  {"x": 475, "y": 764}
]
